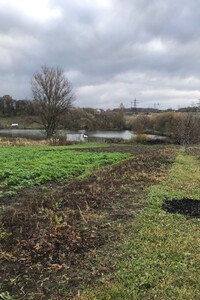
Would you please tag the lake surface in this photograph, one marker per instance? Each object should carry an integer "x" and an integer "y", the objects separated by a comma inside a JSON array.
[
  {"x": 40, "y": 134},
  {"x": 125, "y": 134},
  {"x": 35, "y": 134}
]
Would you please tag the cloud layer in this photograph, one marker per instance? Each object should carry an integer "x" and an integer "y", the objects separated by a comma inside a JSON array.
[{"x": 112, "y": 51}]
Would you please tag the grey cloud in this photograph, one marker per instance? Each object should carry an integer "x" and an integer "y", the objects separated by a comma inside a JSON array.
[{"x": 97, "y": 46}]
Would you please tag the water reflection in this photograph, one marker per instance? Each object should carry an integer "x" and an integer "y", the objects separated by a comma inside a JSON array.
[
  {"x": 40, "y": 134},
  {"x": 125, "y": 134},
  {"x": 35, "y": 134}
]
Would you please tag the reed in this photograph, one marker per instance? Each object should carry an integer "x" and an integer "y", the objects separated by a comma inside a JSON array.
[{"x": 22, "y": 142}]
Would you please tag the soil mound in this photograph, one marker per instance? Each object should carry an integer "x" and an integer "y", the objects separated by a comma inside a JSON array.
[{"x": 187, "y": 207}]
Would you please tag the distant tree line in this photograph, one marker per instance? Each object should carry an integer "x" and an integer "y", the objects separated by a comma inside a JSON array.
[
  {"x": 183, "y": 128},
  {"x": 10, "y": 107},
  {"x": 150, "y": 110},
  {"x": 93, "y": 119},
  {"x": 74, "y": 118}
]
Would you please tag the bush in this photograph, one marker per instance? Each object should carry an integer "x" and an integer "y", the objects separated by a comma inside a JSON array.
[
  {"x": 142, "y": 138},
  {"x": 187, "y": 131}
]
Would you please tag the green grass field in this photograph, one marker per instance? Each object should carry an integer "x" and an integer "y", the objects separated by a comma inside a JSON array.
[
  {"x": 22, "y": 167},
  {"x": 161, "y": 258}
]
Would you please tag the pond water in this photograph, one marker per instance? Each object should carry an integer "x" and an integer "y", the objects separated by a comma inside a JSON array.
[
  {"x": 125, "y": 134},
  {"x": 35, "y": 134},
  {"x": 40, "y": 134}
]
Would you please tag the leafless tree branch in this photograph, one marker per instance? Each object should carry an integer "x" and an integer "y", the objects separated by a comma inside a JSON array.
[{"x": 53, "y": 96}]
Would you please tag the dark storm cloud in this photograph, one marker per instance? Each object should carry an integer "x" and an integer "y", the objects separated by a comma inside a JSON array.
[{"x": 112, "y": 51}]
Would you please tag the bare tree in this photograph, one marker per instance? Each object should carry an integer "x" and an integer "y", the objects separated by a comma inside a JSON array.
[
  {"x": 53, "y": 96},
  {"x": 188, "y": 129}
]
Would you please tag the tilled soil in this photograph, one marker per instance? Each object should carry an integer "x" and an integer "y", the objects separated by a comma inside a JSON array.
[{"x": 63, "y": 236}]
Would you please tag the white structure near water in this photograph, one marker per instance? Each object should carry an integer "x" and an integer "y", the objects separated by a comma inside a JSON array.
[
  {"x": 77, "y": 137},
  {"x": 14, "y": 125}
]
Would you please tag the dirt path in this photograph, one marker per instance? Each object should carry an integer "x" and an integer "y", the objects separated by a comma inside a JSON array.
[{"x": 65, "y": 236}]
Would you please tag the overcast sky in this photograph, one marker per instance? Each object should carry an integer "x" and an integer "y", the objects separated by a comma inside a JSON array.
[{"x": 112, "y": 51}]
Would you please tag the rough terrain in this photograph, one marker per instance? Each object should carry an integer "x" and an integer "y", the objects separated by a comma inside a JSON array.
[{"x": 64, "y": 236}]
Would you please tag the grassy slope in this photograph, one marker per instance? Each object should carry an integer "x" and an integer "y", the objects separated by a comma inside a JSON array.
[
  {"x": 161, "y": 258},
  {"x": 23, "y": 121}
]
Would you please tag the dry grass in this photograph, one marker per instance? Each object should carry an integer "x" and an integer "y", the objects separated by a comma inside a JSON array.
[
  {"x": 29, "y": 142},
  {"x": 22, "y": 142}
]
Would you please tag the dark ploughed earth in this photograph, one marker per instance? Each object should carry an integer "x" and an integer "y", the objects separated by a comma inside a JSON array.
[{"x": 187, "y": 207}]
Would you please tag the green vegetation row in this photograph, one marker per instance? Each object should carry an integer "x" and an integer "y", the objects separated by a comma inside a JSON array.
[
  {"x": 161, "y": 258},
  {"x": 22, "y": 167}
]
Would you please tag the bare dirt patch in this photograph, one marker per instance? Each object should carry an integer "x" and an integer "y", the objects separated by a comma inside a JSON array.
[
  {"x": 61, "y": 236},
  {"x": 187, "y": 207}
]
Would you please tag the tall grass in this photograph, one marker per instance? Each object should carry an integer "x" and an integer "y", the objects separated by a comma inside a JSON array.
[{"x": 22, "y": 142}]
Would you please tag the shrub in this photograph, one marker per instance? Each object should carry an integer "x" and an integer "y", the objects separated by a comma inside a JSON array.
[{"x": 142, "y": 138}]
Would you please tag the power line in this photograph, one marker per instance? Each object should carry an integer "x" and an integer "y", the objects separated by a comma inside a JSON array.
[{"x": 134, "y": 105}]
